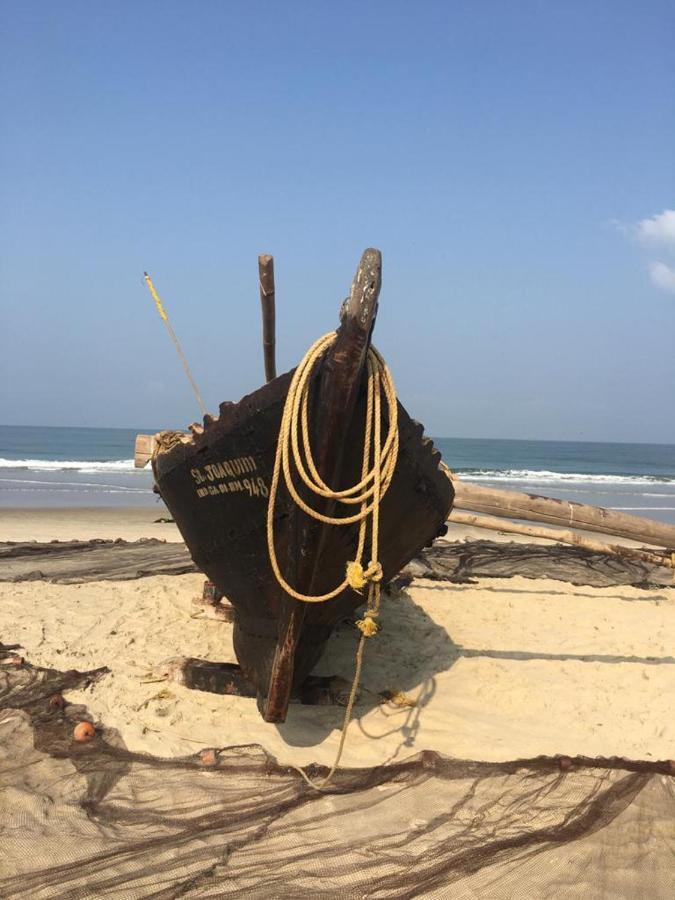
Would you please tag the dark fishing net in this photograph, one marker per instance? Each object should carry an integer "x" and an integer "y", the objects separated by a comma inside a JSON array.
[
  {"x": 70, "y": 562},
  {"x": 459, "y": 561},
  {"x": 73, "y": 562},
  {"x": 94, "y": 820}
]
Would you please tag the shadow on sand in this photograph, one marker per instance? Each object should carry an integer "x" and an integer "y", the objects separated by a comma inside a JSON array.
[{"x": 409, "y": 652}]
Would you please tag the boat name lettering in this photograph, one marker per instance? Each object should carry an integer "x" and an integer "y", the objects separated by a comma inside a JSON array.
[
  {"x": 225, "y": 477},
  {"x": 255, "y": 487},
  {"x": 226, "y": 468}
]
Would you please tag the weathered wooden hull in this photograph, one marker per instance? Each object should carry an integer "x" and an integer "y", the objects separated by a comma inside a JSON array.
[{"x": 216, "y": 486}]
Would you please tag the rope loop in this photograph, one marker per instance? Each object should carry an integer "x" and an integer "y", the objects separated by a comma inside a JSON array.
[
  {"x": 294, "y": 460},
  {"x": 374, "y": 571}
]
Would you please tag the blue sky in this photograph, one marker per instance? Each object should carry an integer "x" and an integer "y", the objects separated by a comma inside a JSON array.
[{"x": 513, "y": 162}]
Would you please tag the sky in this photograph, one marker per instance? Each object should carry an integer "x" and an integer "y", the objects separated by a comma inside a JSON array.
[{"x": 512, "y": 161}]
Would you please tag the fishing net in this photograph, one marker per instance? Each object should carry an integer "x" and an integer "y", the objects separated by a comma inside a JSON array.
[
  {"x": 95, "y": 820},
  {"x": 460, "y": 562},
  {"x": 70, "y": 562}
]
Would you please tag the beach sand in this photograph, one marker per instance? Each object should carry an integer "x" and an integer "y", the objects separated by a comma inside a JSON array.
[
  {"x": 495, "y": 668},
  {"x": 85, "y": 523}
]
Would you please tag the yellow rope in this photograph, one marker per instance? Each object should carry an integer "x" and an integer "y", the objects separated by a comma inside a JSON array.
[
  {"x": 294, "y": 428},
  {"x": 294, "y": 453},
  {"x": 172, "y": 334}
]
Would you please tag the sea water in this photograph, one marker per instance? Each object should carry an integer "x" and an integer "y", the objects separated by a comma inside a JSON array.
[
  {"x": 42, "y": 466},
  {"x": 636, "y": 478}
]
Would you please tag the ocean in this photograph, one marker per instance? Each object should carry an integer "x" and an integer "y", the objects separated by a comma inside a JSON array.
[{"x": 42, "y": 466}]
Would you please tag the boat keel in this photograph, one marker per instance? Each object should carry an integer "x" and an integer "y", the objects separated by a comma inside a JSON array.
[{"x": 228, "y": 678}]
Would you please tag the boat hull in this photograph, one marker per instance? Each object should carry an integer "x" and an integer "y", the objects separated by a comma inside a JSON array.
[{"x": 216, "y": 486}]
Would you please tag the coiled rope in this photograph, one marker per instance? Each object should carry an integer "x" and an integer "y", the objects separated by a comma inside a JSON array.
[{"x": 294, "y": 454}]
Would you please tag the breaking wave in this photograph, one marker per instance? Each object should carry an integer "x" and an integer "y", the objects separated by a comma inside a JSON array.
[
  {"x": 63, "y": 465},
  {"x": 531, "y": 476},
  {"x": 539, "y": 476}
]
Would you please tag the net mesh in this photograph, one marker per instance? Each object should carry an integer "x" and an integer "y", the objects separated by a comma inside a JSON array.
[
  {"x": 96, "y": 820},
  {"x": 73, "y": 562},
  {"x": 463, "y": 561}
]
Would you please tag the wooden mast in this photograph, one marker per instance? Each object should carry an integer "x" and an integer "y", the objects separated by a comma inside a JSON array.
[
  {"x": 267, "y": 301},
  {"x": 332, "y": 408}
]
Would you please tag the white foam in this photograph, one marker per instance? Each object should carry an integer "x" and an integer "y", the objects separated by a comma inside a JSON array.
[
  {"x": 537, "y": 476},
  {"x": 77, "y": 465},
  {"x": 650, "y": 508}
]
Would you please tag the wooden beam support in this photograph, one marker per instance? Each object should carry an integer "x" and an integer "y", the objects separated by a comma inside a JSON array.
[{"x": 533, "y": 508}]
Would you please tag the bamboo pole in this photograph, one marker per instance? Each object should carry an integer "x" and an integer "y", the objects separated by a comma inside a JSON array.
[
  {"x": 562, "y": 536},
  {"x": 514, "y": 505},
  {"x": 267, "y": 301}
]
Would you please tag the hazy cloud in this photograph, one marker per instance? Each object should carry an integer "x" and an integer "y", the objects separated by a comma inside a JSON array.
[
  {"x": 659, "y": 229},
  {"x": 662, "y": 275}
]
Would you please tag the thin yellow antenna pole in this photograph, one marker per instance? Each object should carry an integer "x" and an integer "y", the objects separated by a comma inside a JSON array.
[{"x": 172, "y": 335}]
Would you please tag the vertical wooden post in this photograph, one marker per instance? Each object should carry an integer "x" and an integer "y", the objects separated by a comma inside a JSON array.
[
  {"x": 267, "y": 298},
  {"x": 331, "y": 413}
]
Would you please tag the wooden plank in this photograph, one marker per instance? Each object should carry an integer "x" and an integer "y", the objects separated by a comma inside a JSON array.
[
  {"x": 533, "y": 508},
  {"x": 143, "y": 450}
]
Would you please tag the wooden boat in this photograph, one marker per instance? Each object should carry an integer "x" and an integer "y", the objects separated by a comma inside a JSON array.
[{"x": 216, "y": 484}]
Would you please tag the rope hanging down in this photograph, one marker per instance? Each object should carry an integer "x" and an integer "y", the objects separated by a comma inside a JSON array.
[
  {"x": 294, "y": 447},
  {"x": 294, "y": 453}
]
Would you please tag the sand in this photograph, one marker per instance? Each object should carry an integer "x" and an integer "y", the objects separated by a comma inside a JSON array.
[
  {"x": 502, "y": 669},
  {"x": 85, "y": 523}
]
